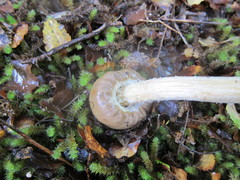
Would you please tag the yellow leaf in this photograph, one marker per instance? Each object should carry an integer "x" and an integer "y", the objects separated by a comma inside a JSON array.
[
  {"x": 194, "y": 2},
  {"x": 208, "y": 42},
  {"x": 54, "y": 34},
  {"x": 20, "y": 33},
  {"x": 188, "y": 52},
  {"x": 179, "y": 174},
  {"x": 207, "y": 162},
  {"x": 91, "y": 142},
  {"x": 215, "y": 176}
]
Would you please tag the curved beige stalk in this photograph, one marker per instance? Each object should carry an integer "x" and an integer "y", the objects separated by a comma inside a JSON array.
[
  {"x": 204, "y": 89},
  {"x": 122, "y": 99}
]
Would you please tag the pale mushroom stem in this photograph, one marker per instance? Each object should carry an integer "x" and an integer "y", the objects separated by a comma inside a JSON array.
[
  {"x": 204, "y": 89},
  {"x": 122, "y": 99}
]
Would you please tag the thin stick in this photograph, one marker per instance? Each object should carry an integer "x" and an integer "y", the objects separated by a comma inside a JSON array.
[
  {"x": 192, "y": 21},
  {"x": 66, "y": 45},
  {"x": 163, "y": 23},
  {"x": 180, "y": 33},
  {"x": 161, "y": 43},
  {"x": 33, "y": 142}
]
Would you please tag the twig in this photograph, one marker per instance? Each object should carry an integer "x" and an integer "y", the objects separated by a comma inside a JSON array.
[
  {"x": 66, "y": 45},
  {"x": 180, "y": 34},
  {"x": 33, "y": 142},
  {"x": 192, "y": 21},
  {"x": 197, "y": 151},
  {"x": 185, "y": 127},
  {"x": 163, "y": 23},
  {"x": 161, "y": 43}
]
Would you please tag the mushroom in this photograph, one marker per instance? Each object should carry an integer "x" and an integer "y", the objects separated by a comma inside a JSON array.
[{"x": 122, "y": 99}]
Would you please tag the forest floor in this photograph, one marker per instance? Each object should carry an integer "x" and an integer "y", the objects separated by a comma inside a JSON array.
[{"x": 51, "y": 53}]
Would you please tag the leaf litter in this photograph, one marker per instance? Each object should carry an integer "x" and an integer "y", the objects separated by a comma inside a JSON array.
[{"x": 155, "y": 38}]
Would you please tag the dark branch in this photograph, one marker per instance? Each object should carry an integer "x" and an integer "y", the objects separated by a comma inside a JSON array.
[
  {"x": 64, "y": 46},
  {"x": 33, "y": 142}
]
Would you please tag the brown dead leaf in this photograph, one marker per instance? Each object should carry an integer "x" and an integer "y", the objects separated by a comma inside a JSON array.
[
  {"x": 2, "y": 133},
  {"x": 208, "y": 42},
  {"x": 3, "y": 94},
  {"x": 194, "y": 2},
  {"x": 125, "y": 151},
  {"x": 188, "y": 52},
  {"x": 104, "y": 67},
  {"x": 62, "y": 95},
  {"x": 54, "y": 34},
  {"x": 23, "y": 80},
  {"x": 207, "y": 162},
  {"x": 133, "y": 17},
  {"x": 189, "y": 71},
  {"x": 179, "y": 173},
  {"x": 6, "y": 6},
  {"x": 20, "y": 33},
  {"x": 91, "y": 142},
  {"x": 215, "y": 176},
  {"x": 163, "y": 4}
]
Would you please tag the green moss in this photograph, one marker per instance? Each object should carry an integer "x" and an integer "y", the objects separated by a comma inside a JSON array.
[
  {"x": 11, "y": 95},
  {"x": 131, "y": 167},
  {"x": 84, "y": 78},
  {"x": 149, "y": 42},
  {"x": 7, "y": 49},
  {"x": 81, "y": 31},
  {"x": 17, "y": 5},
  {"x": 93, "y": 14},
  {"x": 154, "y": 148},
  {"x": 102, "y": 170},
  {"x": 35, "y": 28},
  {"x": 191, "y": 170},
  {"x": 110, "y": 37},
  {"x": 101, "y": 61},
  {"x": 78, "y": 166},
  {"x": 42, "y": 89},
  {"x": 31, "y": 15},
  {"x": 11, "y": 20},
  {"x": 51, "y": 131},
  {"x": 102, "y": 43},
  {"x": 148, "y": 163},
  {"x": 144, "y": 174}
]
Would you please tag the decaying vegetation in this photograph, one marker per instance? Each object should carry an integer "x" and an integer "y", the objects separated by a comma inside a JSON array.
[{"x": 51, "y": 53}]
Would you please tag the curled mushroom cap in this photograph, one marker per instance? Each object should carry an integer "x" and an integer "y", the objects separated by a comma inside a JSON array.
[
  {"x": 118, "y": 99},
  {"x": 107, "y": 106}
]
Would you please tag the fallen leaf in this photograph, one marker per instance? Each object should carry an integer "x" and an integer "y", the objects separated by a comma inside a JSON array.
[
  {"x": 215, "y": 176},
  {"x": 234, "y": 115},
  {"x": 189, "y": 71},
  {"x": 54, "y": 34},
  {"x": 221, "y": 1},
  {"x": 208, "y": 42},
  {"x": 2, "y": 133},
  {"x": 207, "y": 162},
  {"x": 188, "y": 52},
  {"x": 194, "y": 2},
  {"x": 179, "y": 173},
  {"x": 4, "y": 39},
  {"x": 163, "y": 4},
  {"x": 23, "y": 80},
  {"x": 125, "y": 151},
  {"x": 62, "y": 95},
  {"x": 133, "y": 17},
  {"x": 20, "y": 33},
  {"x": 6, "y": 6},
  {"x": 104, "y": 67},
  {"x": 91, "y": 142},
  {"x": 3, "y": 94}
]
